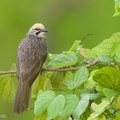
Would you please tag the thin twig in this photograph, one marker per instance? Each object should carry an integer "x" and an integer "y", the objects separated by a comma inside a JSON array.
[
  {"x": 114, "y": 65},
  {"x": 62, "y": 69},
  {"x": 85, "y": 37}
]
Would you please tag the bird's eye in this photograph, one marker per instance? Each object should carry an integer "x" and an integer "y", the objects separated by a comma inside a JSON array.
[{"x": 37, "y": 31}]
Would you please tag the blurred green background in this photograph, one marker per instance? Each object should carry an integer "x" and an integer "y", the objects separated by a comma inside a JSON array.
[{"x": 66, "y": 20}]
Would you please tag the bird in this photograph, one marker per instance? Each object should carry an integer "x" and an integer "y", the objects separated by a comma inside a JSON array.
[{"x": 31, "y": 54}]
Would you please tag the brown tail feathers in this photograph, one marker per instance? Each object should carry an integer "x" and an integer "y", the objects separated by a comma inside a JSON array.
[{"x": 22, "y": 99}]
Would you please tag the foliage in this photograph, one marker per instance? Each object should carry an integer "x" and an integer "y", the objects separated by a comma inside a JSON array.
[
  {"x": 8, "y": 85},
  {"x": 117, "y": 8},
  {"x": 89, "y": 93}
]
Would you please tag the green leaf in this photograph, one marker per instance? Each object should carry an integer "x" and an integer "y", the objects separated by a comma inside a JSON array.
[
  {"x": 76, "y": 79},
  {"x": 90, "y": 53},
  {"x": 99, "y": 88},
  {"x": 52, "y": 56},
  {"x": 117, "y": 50},
  {"x": 80, "y": 77},
  {"x": 70, "y": 105},
  {"x": 118, "y": 102},
  {"x": 47, "y": 85},
  {"x": 109, "y": 93},
  {"x": 43, "y": 101},
  {"x": 13, "y": 67},
  {"x": 108, "y": 77},
  {"x": 106, "y": 59},
  {"x": 92, "y": 96},
  {"x": 56, "y": 80},
  {"x": 75, "y": 46},
  {"x": 35, "y": 86},
  {"x": 90, "y": 83},
  {"x": 69, "y": 79},
  {"x": 42, "y": 83},
  {"x": 56, "y": 106},
  {"x": 63, "y": 60},
  {"x": 8, "y": 86},
  {"x": 42, "y": 117},
  {"x": 117, "y": 8},
  {"x": 117, "y": 59},
  {"x": 99, "y": 109},
  {"x": 109, "y": 47},
  {"x": 117, "y": 115},
  {"x": 100, "y": 117},
  {"x": 104, "y": 48},
  {"x": 83, "y": 90},
  {"x": 82, "y": 105}
]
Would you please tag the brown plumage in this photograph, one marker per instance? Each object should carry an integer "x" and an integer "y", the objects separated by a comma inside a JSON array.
[{"x": 32, "y": 52}]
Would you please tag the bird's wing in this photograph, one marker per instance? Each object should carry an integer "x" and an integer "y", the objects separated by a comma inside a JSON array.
[{"x": 30, "y": 58}]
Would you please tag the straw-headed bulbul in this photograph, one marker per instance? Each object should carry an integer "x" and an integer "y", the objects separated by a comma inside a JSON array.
[{"x": 31, "y": 55}]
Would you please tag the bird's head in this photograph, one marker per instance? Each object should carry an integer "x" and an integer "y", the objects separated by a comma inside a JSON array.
[{"x": 37, "y": 30}]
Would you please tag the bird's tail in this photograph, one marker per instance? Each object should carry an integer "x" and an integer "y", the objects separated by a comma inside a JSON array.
[{"x": 22, "y": 99}]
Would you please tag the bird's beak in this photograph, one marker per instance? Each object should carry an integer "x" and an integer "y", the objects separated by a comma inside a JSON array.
[{"x": 44, "y": 30}]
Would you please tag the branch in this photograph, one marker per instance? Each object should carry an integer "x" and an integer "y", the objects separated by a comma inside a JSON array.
[
  {"x": 62, "y": 69},
  {"x": 86, "y": 36},
  {"x": 8, "y": 72}
]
